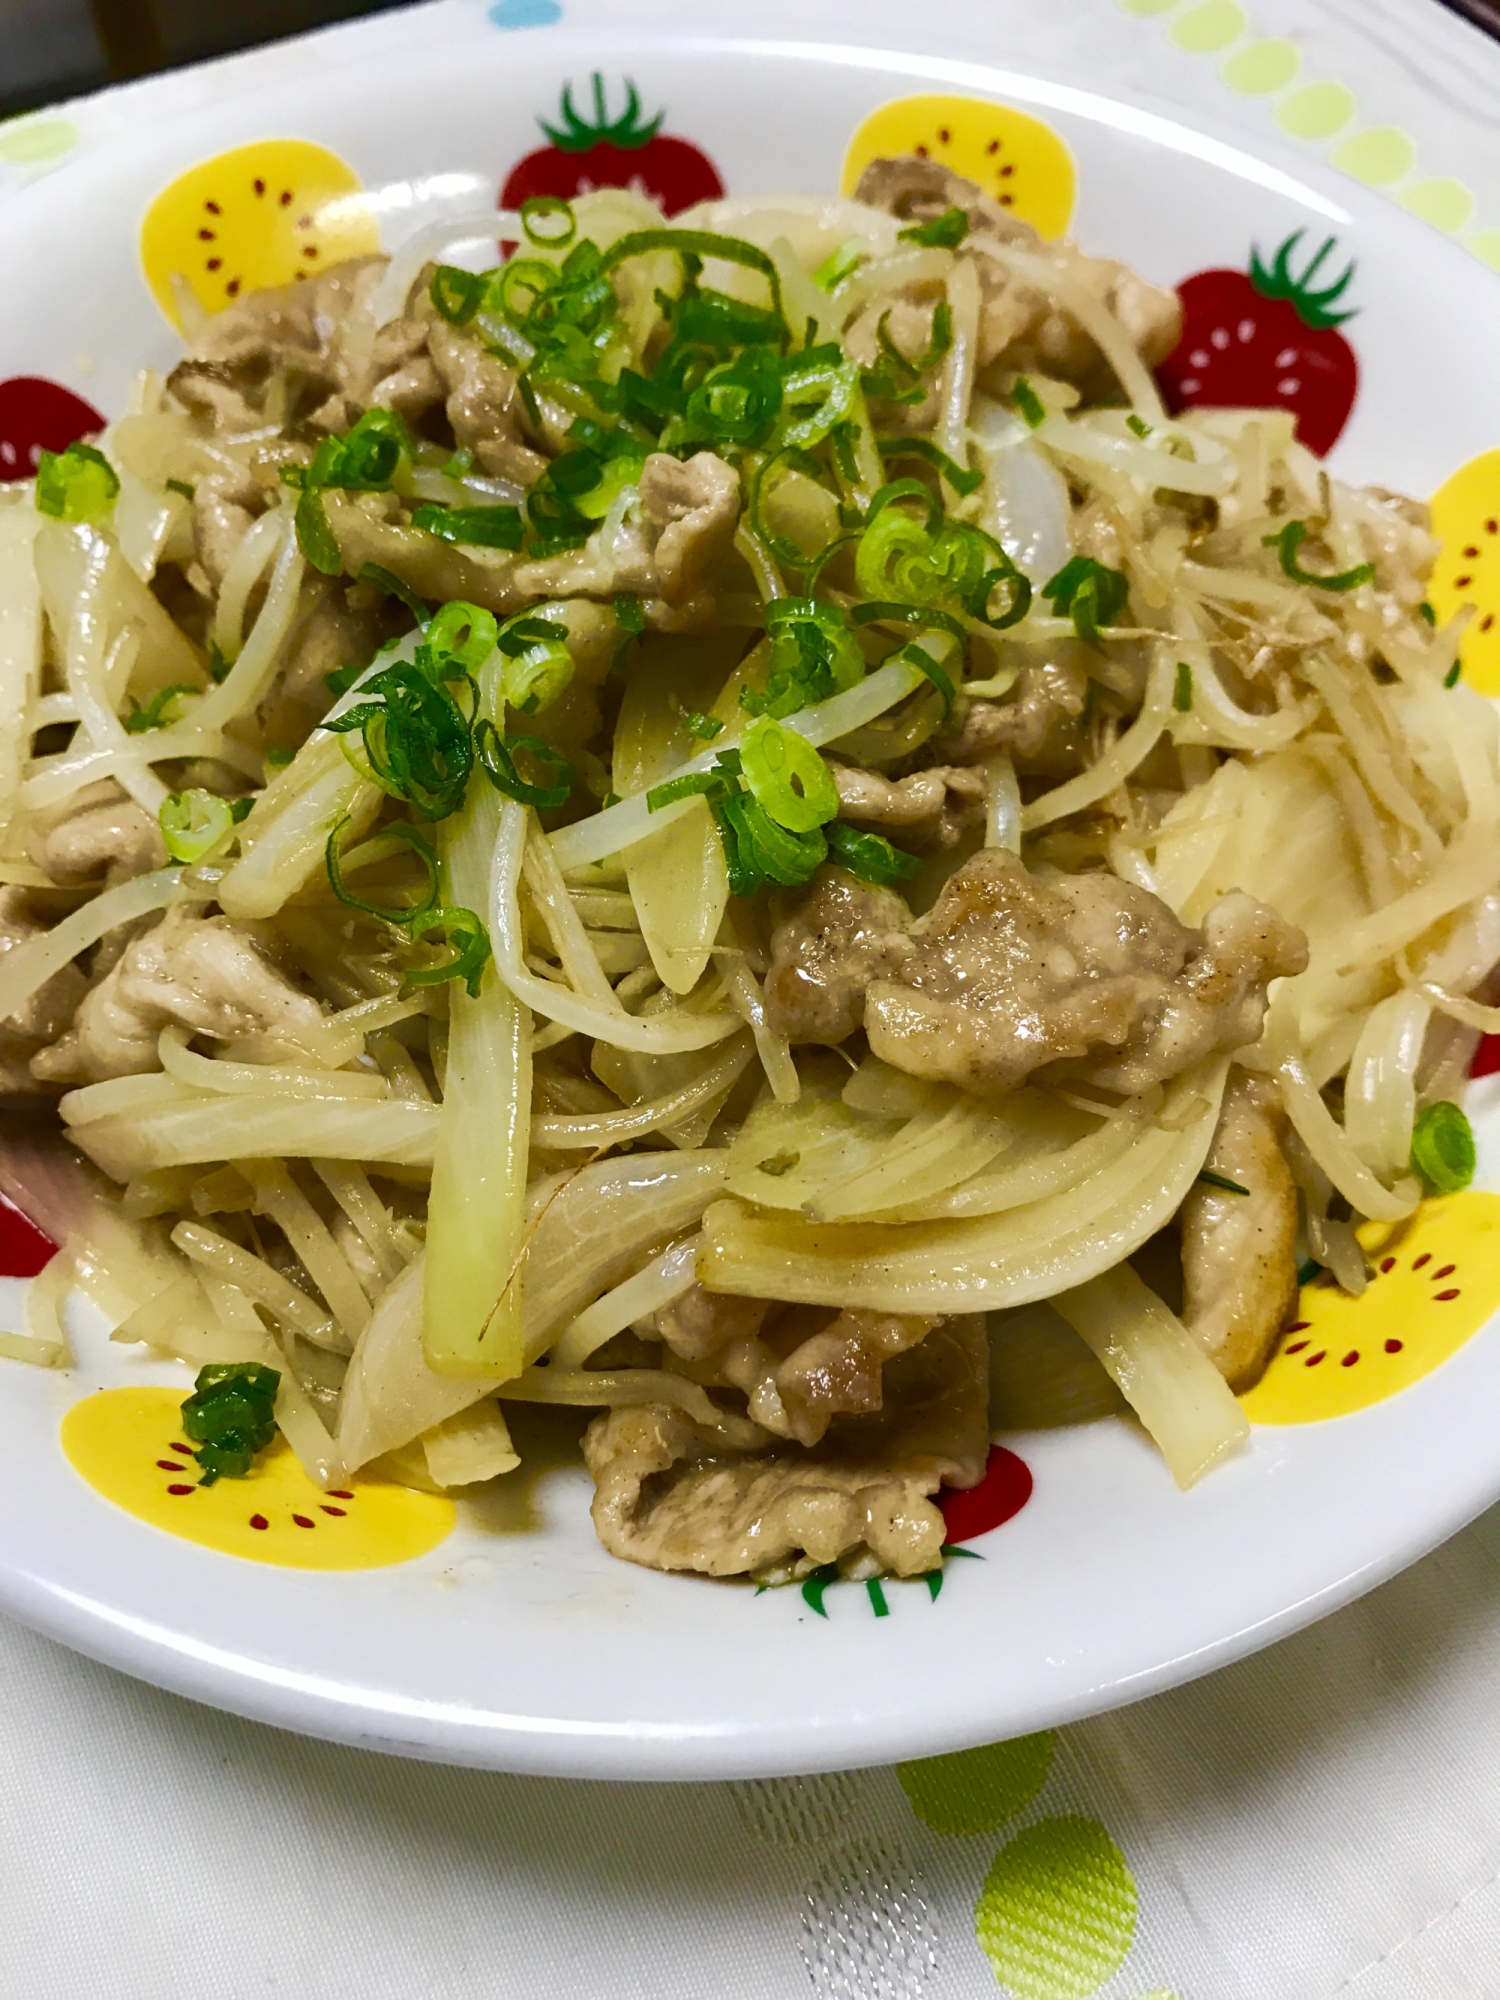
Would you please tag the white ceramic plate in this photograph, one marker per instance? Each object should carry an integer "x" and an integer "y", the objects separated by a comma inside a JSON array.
[{"x": 518, "y": 1643}]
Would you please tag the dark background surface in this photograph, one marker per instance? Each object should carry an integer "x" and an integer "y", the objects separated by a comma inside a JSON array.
[{"x": 51, "y": 49}]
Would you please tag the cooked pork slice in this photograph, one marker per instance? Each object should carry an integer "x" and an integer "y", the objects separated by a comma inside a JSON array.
[
  {"x": 932, "y": 808},
  {"x": 669, "y": 1495},
  {"x": 1040, "y": 725},
  {"x": 331, "y": 632},
  {"x": 1011, "y": 971},
  {"x": 830, "y": 942},
  {"x": 202, "y": 973},
  {"x": 1239, "y": 1251},
  {"x": 225, "y": 504},
  {"x": 45, "y": 1015},
  {"x": 1219, "y": 1001},
  {"x": 691, "y": 509},
  {"x": 100, "y": 832},
  {"x": 483, "y": 401},
  {"x": 700, "y": 1324},
  {"x": 1019, "y": 327}
]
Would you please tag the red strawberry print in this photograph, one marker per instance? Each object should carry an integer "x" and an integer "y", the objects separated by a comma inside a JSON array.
[
  {"x": 621, "y": 153},
  {"x": 24, "y": 1250},
  {"x": 998, "y": 1498},
  {"x": 1265, "y": 338},
  {"x": 38, "y": 416}
]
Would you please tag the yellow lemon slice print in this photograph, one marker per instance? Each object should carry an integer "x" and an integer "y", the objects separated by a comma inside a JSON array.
[
  {"x": 128, "y": 1444},
  {"x": 1466, "y": 517},
  {"x": 256, "y": 216},
  {"x": 1436, "y": 1281},
  {"x": 1012, "y": 156}
]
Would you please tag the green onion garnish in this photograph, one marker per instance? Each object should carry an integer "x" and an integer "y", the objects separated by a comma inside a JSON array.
[
  {"x": 962, "y": 481},
  {"x": 538, "y": 664},
  {"x": 194, "y": 824},
  {"x": 416, "y": 738},
  {"x": 1426, "y": 613},
  {"x": 155, "y": 714},
  {"x": 474, "y": 527},
  {"x": 388, "y": 581},
  {"x": 692, "y": 785},
  {"x": 78, "y": 484},
  {"x": 944, "y": 232},
  {"x": 315, "y": 538},
  {"x": 704, "y": 727},
  {"x": 870, "y": 856},
  {"x": 1453, "y": 675},
  {"x": 497, "y": 758},
  {"x": 470, "y": 944},
  {"x": 1182, "y": 697},
  {"x": 1289, "y": 539},
  {"x": 1221, "y": 1181},
  {"x": 1138, "y": 424},
  {"x": 1033, "y": 410},
  {"x": 384, "y": 844},
  {"x": 181, "y": 486},
  {"x": 540, "y": 209},
  {"x": 1090, "y": 593},
  {"x": 787, "y": 777},
  {"x": 840, "y": 264},
  {"x": 1442, "y": 1148},
  {"x": 456, "y": 294},
  {"x": 230, "y": 1416}
]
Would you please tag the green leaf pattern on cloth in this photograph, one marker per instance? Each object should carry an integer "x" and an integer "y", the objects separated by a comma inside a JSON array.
[
  {"x": 974, "y": 1791},
  {"x": 1056, "y": 1914}
]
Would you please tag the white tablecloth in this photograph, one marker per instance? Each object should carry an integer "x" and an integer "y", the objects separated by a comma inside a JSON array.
[{"x": 1321, "y": 1820}]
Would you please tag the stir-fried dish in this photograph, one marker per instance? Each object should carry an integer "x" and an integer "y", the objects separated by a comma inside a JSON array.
[{"x": 724, "y": 823}]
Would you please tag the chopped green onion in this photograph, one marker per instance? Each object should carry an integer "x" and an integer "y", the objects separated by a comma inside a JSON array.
[
  {"x": 1308, "y": 1270},
  {"x": 384, "y": 844},
  {"x": 181, "y": 486},
  {"x": 1222, "y": 1181},
  {"x": 194, "y": 824},
  {"x": 1138, "y": 425},
  {"x": 230, "y": 1416},
  {"x": 787, "y": 777},
  {"x": 78, "y": 484},
  {"x": 388, "y": 581},
  {"x": 538, "y": 664},
  {"x": 1426, "y": 612},
  {"x": 704, "y": 727},
  {"x": 1442, "y": 1148},
  {"x": 1451, "y": 678},
  {"x": 962, "y": 481},
  {"x": 870, "y": 856},
  {"x": 240, "y": 809},
  {"x": 814, "y": 654},
  {"x": 1182, "y": 697},
  {"x": 537, "y": 209},
  {"x": 315, "y": 538},
  {"x": 1289, "y": 539},
  {"x": 918, "y": 657},
  {"x": 758, "y": 851},
  {"x": 154, "y": 715},
  {"x": 470, "y": 943},
  {"x": 366, "y": 458},
  {"x": 461, "y": 633},
  {"x": 457, "y": 294},
  {"x": 497, "y": 758},
  {"x": 840, "y": 264},
  {"x": 416, "y": 738},
  {"x": 693, "y": 785},
  {"x": 218, "y": 664},
  {"x": 698, "y": 243},
  {"x": 472, "y": 527},
  {"x": 277, "y": 760},
  {"x": 908, "y": 614},
  {"x": 943, "y": 232},
  {"x": 629, "y": 615},
  {"x": 341, "y": 679},
  {"x": 1033, "y": 410},
  {"x": 1090, "y": 593}
]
